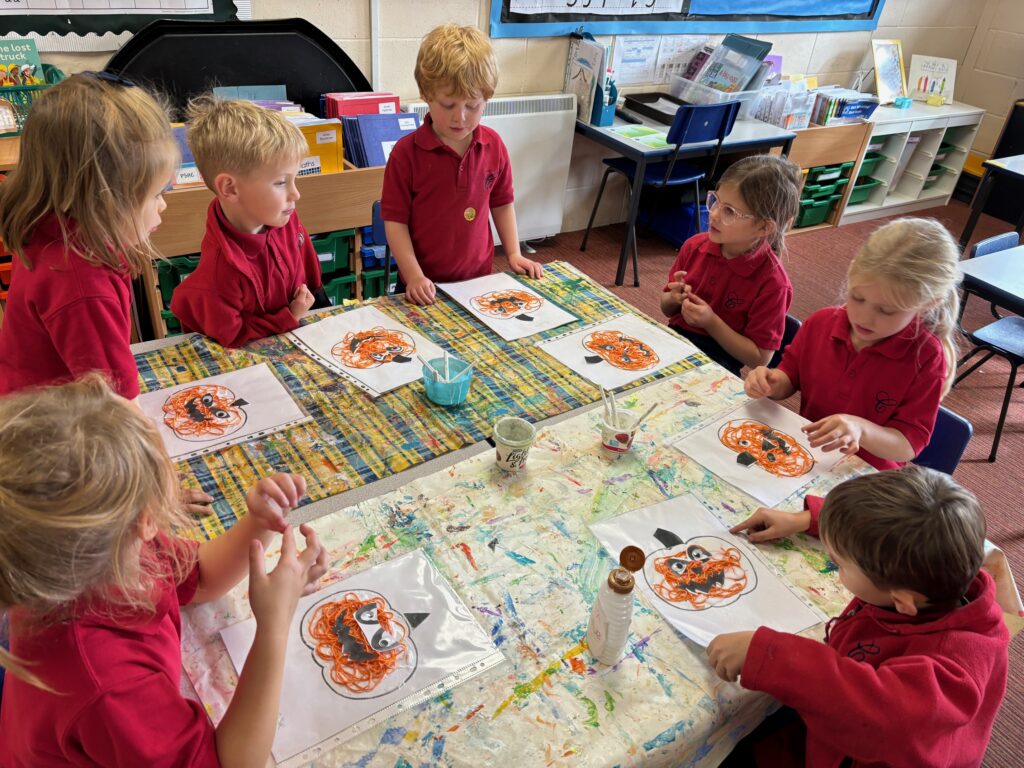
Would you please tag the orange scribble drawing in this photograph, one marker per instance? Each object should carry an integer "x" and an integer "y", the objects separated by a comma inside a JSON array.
[
  {"x": 507, "y": 304},
  {"x": 203, "y": 412},
  {"x": 775, "y": 452},
  {"x": 374, "y": 347},
  {"x": 698, "y": 578},
  {"x": 621, "y": 351},
  {"x": 359, "y": 639}
]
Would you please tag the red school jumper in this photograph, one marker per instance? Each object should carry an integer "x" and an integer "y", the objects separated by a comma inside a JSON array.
[
  {"x": 118, "y": 701},
  {"x": 64, "y": 318},
  {"x": 446, "y": 200},
  {"x": 751, "y": 292},
  {"x": 242, "y": 287},
  {"x": 896, "y": 383},
  {"x": 890, "y": 689}
]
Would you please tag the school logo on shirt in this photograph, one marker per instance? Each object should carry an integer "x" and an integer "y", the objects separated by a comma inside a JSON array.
[
  {"x": 883, "y": 401},
  {"x": 489, "y": 179},
  {"x": 861, "y": 651},
  {"x": 732, "y": 301},
  {"x": 469, "y": 214}
]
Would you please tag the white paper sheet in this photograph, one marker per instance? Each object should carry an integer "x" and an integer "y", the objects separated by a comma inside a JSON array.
[
  {"x": 758, "y": 448},
  {"x": 373, "y": 351},
  {"x": 213, "y": 413},
  {"x": 430, "y": 633},
  {"x": 618, "y": 351},
  {"x": 700, "y": 577},
  {"x": 507, "y": 306}
]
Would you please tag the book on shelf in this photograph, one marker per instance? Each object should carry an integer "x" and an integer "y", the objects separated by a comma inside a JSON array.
[
  {"x": 19, "y": 63},
  {"x": 370, "y": 138},
  {"x": 349, "y": 103},
  {"x": 836, "y": 106}
]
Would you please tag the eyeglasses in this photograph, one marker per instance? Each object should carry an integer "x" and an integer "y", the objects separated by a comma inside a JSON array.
[
  {"x": 110, "y": 77},
  {"x": 729, "y": 214}
]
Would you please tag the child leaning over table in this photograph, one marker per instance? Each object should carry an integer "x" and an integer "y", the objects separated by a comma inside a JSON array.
[
  {"x": 258, "y": 272},
  {"x": 913, "y": 671},
  {"x": 444, "y": 181}
]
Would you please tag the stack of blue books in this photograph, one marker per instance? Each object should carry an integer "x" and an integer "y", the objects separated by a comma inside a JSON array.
[{"x": 369, "y": 139}]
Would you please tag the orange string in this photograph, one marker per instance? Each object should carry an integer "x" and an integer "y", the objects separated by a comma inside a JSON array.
[
  {"x": 178, "y": 418},
  {"x": 373, "y": 347},
  {"x": 748, "y": 435},
  {"x": 621, "y": 351},
  {"x": 677, "y": 587},
  {"x": 505, "y": 303}
]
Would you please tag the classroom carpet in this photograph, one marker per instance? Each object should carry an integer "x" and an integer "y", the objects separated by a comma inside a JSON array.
[{"x": 817, "y": 262}]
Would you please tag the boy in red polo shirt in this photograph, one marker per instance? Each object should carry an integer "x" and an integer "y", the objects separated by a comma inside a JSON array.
[
  {"x": 913, "y": 671},
  {"x": 728, "y": 292},
  {"x": 871, "y": 373},
  {"x": 258, "y": 273},
  {"x": 444, "y": 180}
]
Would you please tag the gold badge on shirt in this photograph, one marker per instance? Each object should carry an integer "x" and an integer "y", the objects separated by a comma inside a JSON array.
[{"x": 469, "y": 214}]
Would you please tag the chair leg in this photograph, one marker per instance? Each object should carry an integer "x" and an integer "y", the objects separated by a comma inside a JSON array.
[
  {"x": 974, "y": 367},
  {"x": 636, "y": 268},
  {"x": 593, "y": 213},
  {"x": 696, "y": 205},
  {"x": 1002, "y": 414}
]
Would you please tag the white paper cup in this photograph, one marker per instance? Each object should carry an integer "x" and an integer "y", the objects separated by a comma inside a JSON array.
[
  {"x": 512, "y": 439},
  {"x": 617, "y": 438}
]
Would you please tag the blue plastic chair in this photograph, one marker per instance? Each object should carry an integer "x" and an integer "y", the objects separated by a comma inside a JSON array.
[
  {"x": 792, "y": 326},
  {"x": 984, "y": 247},
  {"x": 380, "y": 237},
  {"x": 949, "y": 440},
  {"x": 693, "y": 124}
]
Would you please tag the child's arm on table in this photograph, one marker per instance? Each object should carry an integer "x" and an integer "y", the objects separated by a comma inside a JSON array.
[
  {"x": 848, "y": 434},
  {"x": 772, "y": 383},
  {"x": 419, "y": 289},
  {"x": 508, "y": 233}
]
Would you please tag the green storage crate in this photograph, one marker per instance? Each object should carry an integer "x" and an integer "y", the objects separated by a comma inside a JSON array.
[
  {"x": 334, "y": 250},
  {"x": 340, "y": 288},
  {"x": 815, "y": 211},
  {"x": 861, "y": 190},
  {"x": 171, "y": 272},
  {"x": 823, "y": 173},
  {"x": 868, "y": 164},
  {"x": 373, "y": 283},
  {"x": 823, "y": 190},
  {"x": 944, "y": 149},
  {"x": 933, "y": 176},
  {"x": 172, "y": 323}
]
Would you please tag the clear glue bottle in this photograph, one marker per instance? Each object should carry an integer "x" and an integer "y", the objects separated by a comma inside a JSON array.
[{"x": 613, "y": 608}]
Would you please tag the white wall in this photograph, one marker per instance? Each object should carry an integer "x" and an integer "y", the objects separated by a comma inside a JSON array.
[{"x": 985, "y": 36}]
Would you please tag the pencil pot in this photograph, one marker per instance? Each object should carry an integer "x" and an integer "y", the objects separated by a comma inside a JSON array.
[
  {"x": 453, "y": 391},
  {"x": 617, "y": 438}
]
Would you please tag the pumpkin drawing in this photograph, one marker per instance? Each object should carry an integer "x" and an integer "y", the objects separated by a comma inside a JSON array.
[
  {"x": 775, "y": 452},
  {"x": 204, "y": 412},
  {"x": 374, "y": 347},
  {"x": 619, "y": 350},
  {"x": 704, "y": 572},
  {"x": 507, "y": 304}
]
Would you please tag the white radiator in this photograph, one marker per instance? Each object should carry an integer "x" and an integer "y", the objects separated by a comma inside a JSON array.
[{"x": 538, "y": 132}]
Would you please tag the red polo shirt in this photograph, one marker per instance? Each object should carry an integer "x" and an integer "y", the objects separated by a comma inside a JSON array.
[
  {"x": 64, "y": 318},
  {"x": 896, "y": 383},
  {"x": 750, "y": 292},
  {"x": 446, "y": 200}
]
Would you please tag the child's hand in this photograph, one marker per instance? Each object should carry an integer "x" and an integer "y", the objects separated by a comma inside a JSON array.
[
  {"x": 421, "y": 291},
  {"x": 273, "y": 596},
  {"x": 196, "y": 502},
  {"x": 762, "y": 381},
  {"x": 523, "y": 266},
  {"x": 839, "y": 430},
  {"x": 767, "y": 524},
  {"x": 271, "y": 498},
  {"x": 728, "y": 652},
  {"x": 696, "y": 312},
  {"x": 301, "y": 302},
  {"x": 677, "y": 288}
]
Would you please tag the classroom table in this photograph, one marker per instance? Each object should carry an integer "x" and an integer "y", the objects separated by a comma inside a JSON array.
[
  {"x": 745, "y": 135},
  {"x": 1012, "y": 167},
  {"x": 997, "y": 278},
  {"x": 517, "y": 550}
]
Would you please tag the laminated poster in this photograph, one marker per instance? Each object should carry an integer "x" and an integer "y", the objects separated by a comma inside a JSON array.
[
  {"x": 618, "y": 351},
  {"x": 214, "y": 413},
  {"x": 368, "y": 348},
  {"x": 372, "y": 645},
  {"x": 507, "y": 306},
  {"x": 759, "y": 449},
  {"x": 702, "y": 579}
]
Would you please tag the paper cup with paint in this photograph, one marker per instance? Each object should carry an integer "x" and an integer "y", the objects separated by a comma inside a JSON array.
[
  {"x": 617, "y": 437},
  {"x": 512, "y": 439}
]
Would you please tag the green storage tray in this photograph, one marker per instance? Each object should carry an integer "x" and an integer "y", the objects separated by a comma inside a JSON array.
[
  {"x": 868, "y": 164},
  {"x": 373, "y": 283},
  {"x": 171, "y": 272},
  {"x": 340, "y": 288},
  {"x": 944, "y": 149},
  {"x": 823, "y": 190},
  {"x": 334, "y": 250},
  {"x": 933, "y": 176},
  {"x": 861, "y": 190},
  {"x": 823, "y": 173},
  {"x": 172, "y": 323},
  {"x": 815, "y": 211}
]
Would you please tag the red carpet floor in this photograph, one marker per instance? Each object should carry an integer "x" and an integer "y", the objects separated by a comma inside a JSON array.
[{"x": 817, "y": 262}]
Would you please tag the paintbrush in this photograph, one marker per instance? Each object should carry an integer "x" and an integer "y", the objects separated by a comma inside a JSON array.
[
  {"x": 604, "y": 402},
  {"x": 644, "y": 417},
  {"x": 615, "y": 410}
]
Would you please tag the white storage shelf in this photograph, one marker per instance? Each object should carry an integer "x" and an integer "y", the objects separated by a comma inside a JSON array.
[{"x": 920, "y": 131}]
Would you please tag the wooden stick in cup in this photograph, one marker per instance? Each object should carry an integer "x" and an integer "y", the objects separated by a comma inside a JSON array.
[
  {"x": 615, "y": 411},
  {"x": 432, "y": 369},
  {"x": 447, "y": 375},
  {"x": 604, "y": 402},
  {"x": 460, "y": 374}
]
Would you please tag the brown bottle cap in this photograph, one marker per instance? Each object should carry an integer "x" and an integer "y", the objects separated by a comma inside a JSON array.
[
  {"x": 632, "y": 558},
  {"x": 620, "y": 580}
]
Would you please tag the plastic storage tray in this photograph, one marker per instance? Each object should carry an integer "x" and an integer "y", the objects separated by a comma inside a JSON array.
[
  {"x": 655, "y": 105},
  {"x": 815, "y": 211},
  {"x": 823, "y": 173},
  {"x": 869, "y": 163},
  {"x": 861, "y": 190},
  {"x": 333, "y": 249},
  {"x": 823, "y": 190},
  {"x": 933, "y": 176},
  {"x": 373, "y": 283},
  {"x": 340, "y": 288}
]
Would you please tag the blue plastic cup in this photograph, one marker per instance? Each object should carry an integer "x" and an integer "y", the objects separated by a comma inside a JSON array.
[{"x": 453, "y": 391}]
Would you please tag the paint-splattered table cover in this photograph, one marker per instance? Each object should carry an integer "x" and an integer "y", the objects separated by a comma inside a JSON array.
[
  {"x": 518, "y": 551},
  {"x": 355, "y": 439}
]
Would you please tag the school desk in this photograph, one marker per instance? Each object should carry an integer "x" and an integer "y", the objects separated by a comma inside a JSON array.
[
  {"x": 518, "y": 552},
  {"x": 1009, "y": 167},
  {"x": 353, "y": 439},
  {"x": 998, "y": 277},
  {"x": 746, "y": 135}
]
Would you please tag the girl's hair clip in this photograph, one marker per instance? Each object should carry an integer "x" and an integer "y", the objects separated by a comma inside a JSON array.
[{"x": 110, "y": 77}]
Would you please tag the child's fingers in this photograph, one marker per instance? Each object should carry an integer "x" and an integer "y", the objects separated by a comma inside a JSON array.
[
  {"x": 753, "y": 521},
  {"x": 257, "y": 569}
]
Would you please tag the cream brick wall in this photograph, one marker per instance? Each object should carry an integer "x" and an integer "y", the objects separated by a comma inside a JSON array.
[{"x": 985, "y": 36}]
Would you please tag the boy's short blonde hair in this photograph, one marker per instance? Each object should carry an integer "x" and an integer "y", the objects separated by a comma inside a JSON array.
[
  {"x": 457, "y": 59},
  {"x": 912, "y": 528},
  {"x": 234, "y": 136}
]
